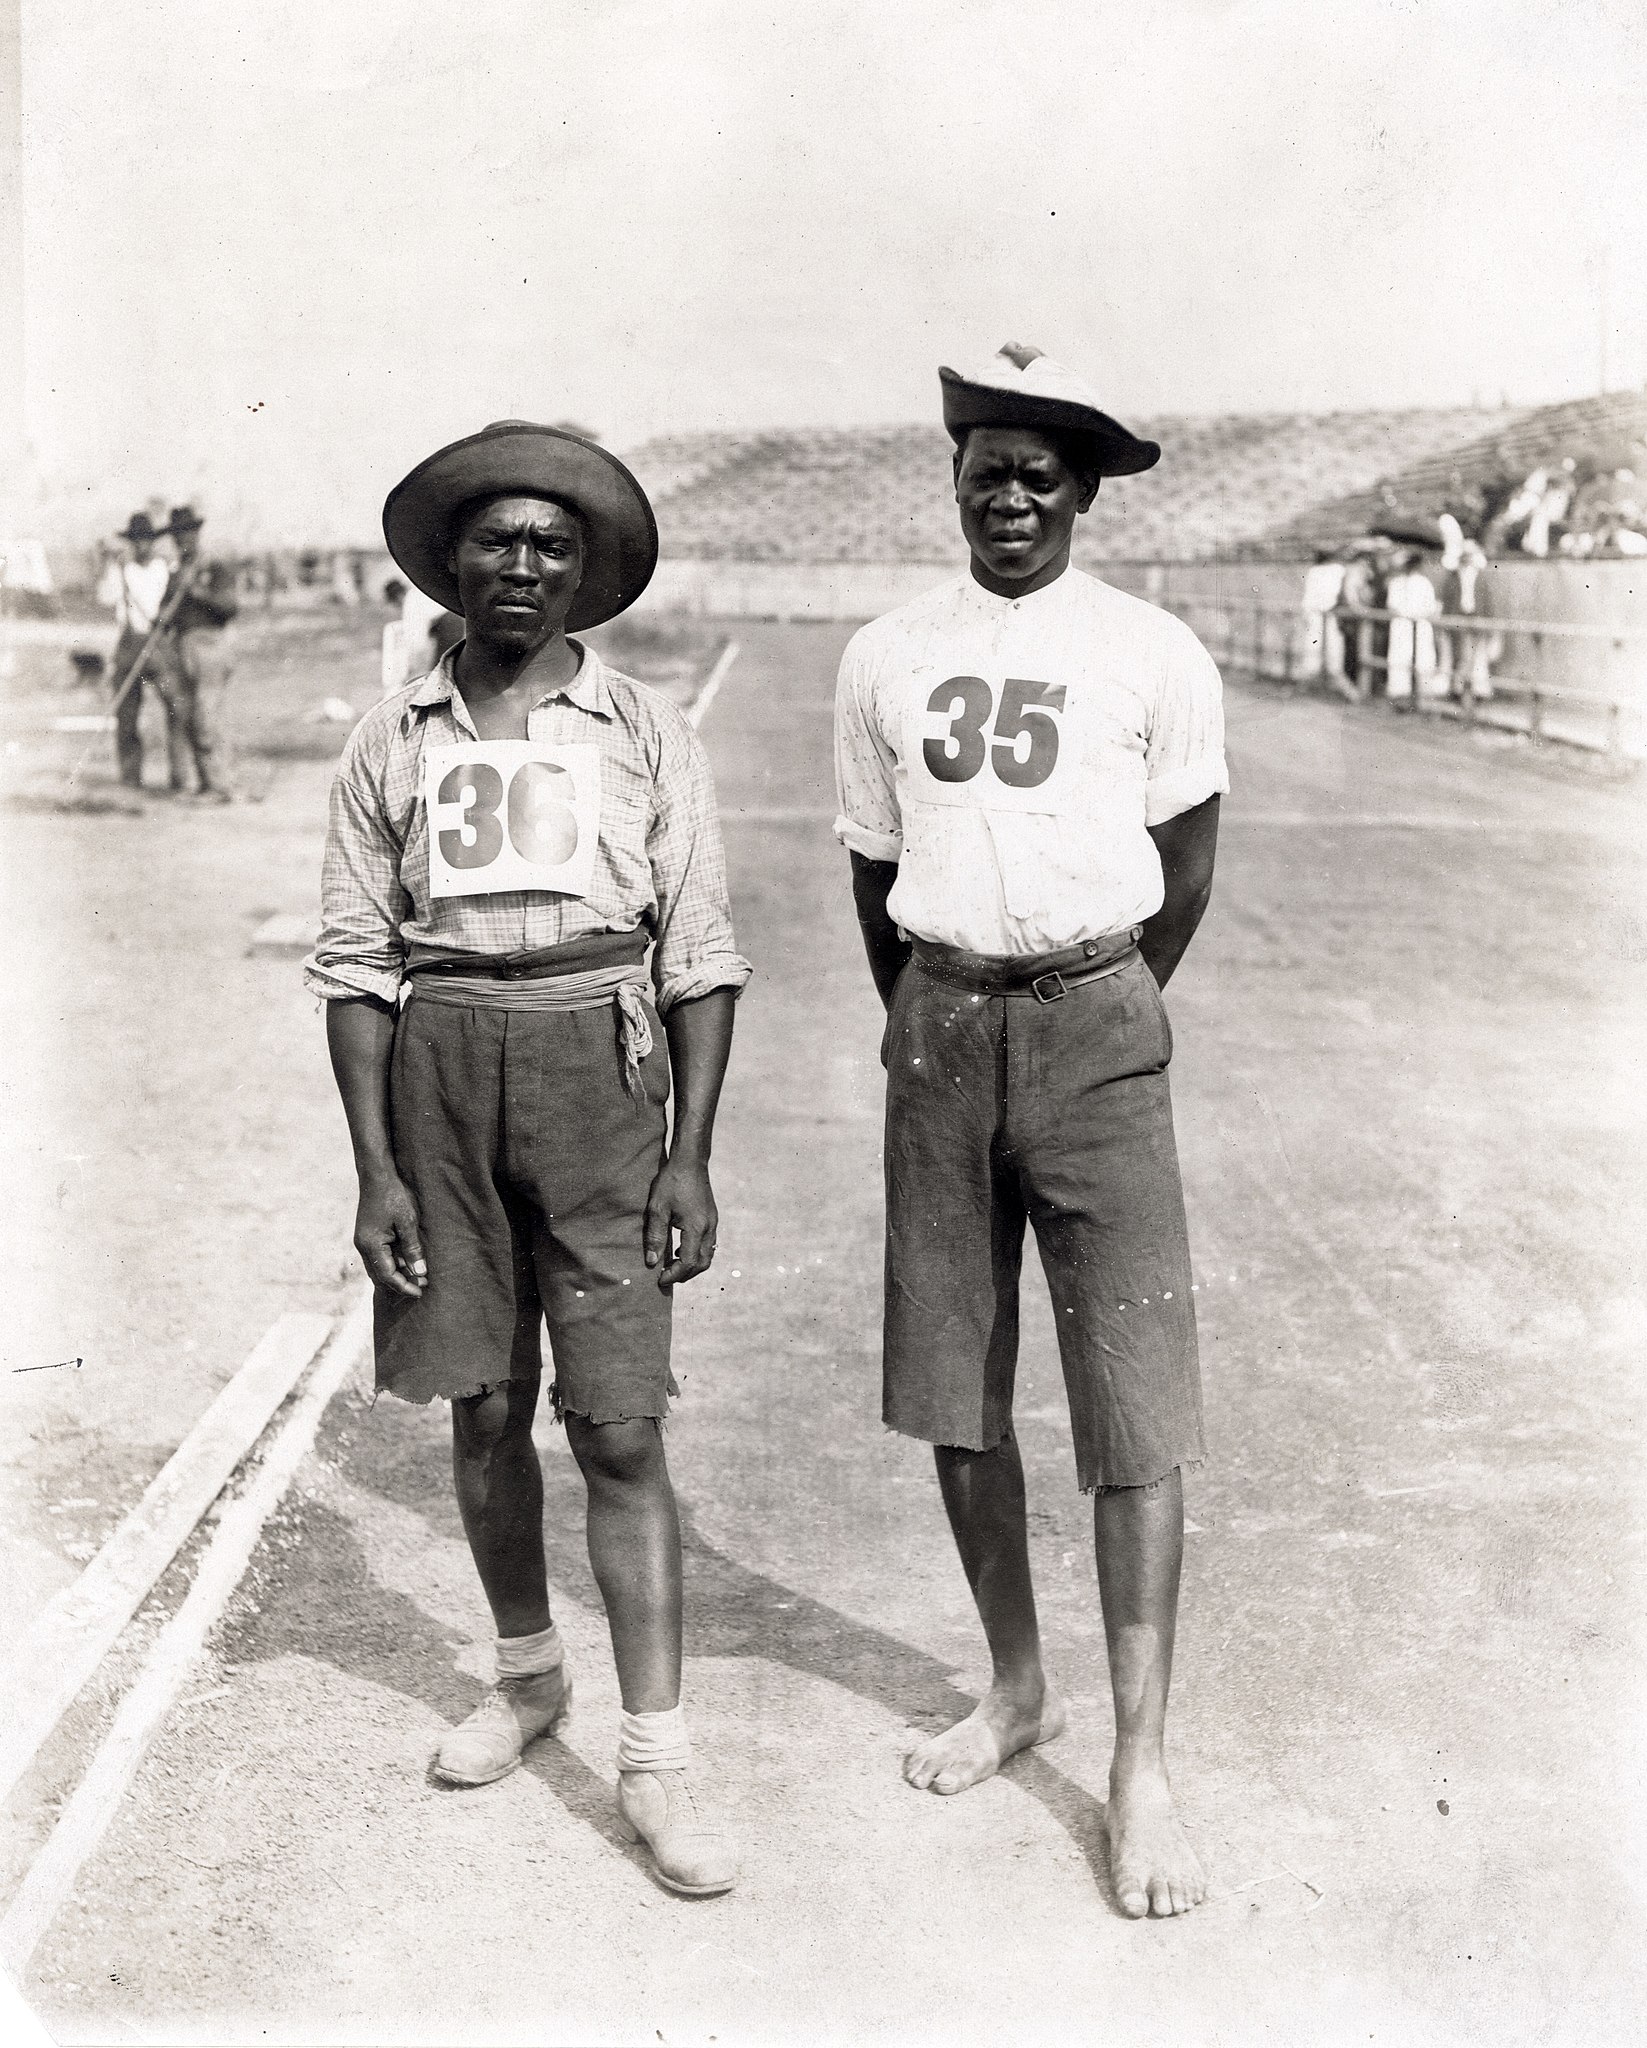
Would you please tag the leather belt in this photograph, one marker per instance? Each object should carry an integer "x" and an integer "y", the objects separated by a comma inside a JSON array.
[{"x": 1048, "y": 977}]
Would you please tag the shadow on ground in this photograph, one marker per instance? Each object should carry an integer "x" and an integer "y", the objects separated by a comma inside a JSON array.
[{"x": 311, "y": 1606}]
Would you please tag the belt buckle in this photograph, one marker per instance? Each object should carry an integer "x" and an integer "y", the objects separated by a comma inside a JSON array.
[{"x": 1054, "y": 995}]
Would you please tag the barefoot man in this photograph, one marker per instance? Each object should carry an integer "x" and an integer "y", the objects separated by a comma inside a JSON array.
[
  {"x": 508, "y": 835},
  {"x": 1029, "y": 765}
]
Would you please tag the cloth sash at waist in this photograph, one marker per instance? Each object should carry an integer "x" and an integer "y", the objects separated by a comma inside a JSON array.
[
  {"x": 583, "y": 974},
  {"x": 1048, "y": 977}
]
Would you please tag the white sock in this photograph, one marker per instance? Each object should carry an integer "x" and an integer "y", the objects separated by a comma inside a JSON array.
[
  {"x": 654, "y": 1742},
  {"x": 529, "y": 1656}
]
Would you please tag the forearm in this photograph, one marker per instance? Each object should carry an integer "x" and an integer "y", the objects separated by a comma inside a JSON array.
[
  {"x": 1165, "y": 938},
  {"x": 887, "y": 948},
  {"x": 699, "y": 1032},
  {"x": 360, "y": 1036},
  {"x": 1188, "y": 847}
]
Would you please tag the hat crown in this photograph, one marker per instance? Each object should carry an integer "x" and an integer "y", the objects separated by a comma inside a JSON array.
[{"x": 1021, "y": 385}]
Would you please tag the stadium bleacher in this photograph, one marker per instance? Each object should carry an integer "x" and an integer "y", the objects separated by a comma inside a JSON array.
[
  {"x": 1606, "y": 433},
  {"x": 1226, "y": 484}
]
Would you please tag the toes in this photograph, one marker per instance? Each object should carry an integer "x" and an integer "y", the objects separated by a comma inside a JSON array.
[
  {"x": 1160, "y": 1899},
  {"x": 945, "y": 1782},
  {"x": 1132, "y": 1899}
]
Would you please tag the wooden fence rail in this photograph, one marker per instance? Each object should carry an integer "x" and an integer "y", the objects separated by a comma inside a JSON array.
[{"x": 1283, "y": 643}]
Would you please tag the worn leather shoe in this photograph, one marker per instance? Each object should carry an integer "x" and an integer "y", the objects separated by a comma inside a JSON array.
[
  {"x": 515, "y": 1712},
  {"x": 660, "y": 1809}
]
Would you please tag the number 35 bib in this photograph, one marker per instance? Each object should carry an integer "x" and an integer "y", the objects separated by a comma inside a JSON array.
[
  {"x": 511, "y": 814},
  {"x": 1004, "y": 745}
]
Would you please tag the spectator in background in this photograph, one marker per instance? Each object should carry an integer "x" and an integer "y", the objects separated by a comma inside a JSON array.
[
  {"x": 1411, "y": 601},
  {"x": 1322, "y": 651},
  {"x": 139, "y": 593},
  {"x": 1358, "y": 592},
  {"x": 197, "y": 662},
  {"x": 1464, "y": 656},
  {"x": 414, "y": 643}
]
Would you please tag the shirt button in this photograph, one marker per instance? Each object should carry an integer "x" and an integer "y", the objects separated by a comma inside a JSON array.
[{"x": 1090, "y": 948}]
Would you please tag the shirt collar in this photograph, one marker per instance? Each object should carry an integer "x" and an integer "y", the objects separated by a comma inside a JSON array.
[
  {"x": 588, "y": 689},
  {"x": 992, "y": 602}
]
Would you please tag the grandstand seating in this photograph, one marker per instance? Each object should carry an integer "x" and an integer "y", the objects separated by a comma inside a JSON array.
[
  {"x": 882, "y": 494},
  {"x": 1606, "y": 432}
]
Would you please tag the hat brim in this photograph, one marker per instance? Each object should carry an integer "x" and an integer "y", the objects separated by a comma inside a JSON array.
[
  {"x": 968, "y": 405},
  {"x": 620, "y": 532}
]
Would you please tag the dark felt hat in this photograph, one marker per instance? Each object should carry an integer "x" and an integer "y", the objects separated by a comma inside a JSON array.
[
  {"x": 544, "y": 462},
  {"x": 1021, "y": 387},
  {"x": 184, "y": 519},
  {"x": 140, "y": 527}
]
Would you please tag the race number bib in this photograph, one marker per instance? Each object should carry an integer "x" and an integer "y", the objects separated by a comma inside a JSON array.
[
  {"x": 511, "y": 814},
  {"x": 1005, "y": 746}
]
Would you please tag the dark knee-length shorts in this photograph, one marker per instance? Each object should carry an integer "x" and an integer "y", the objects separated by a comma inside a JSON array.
[
  {"x": 530, "y": 1164},
  {"x": 1002, "y": 1110}
]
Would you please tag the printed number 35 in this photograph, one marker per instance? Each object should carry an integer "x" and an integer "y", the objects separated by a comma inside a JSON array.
[{"x": 1026, "y": 713}]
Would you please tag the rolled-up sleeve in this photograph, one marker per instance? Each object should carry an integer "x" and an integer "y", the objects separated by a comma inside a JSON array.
[
  {"x": 1184, "y": 755},
  {"x": 695, "y": 950},
  {"x": 866, "y": 787},
  {"x": 363, "y": 902}
]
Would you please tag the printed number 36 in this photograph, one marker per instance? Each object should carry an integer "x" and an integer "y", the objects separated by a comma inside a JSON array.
[
  {"x": 543, "y": 827},
  {"x": 1026, "y": 713}
]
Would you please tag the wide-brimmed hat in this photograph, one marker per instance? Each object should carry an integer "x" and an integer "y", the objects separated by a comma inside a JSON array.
[
  {"x": 1021, "y": 387},
  {"x": 184, "y": 519},
  {"x": 140, "y": 527},
  {"x": 621, "y": 536}
]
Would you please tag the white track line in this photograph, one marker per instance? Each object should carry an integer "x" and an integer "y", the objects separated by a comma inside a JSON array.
[
  {"x": 177, "y": 1650},
  {"x": 699, "y": 709},
  {"x": 75, "y": 1632}
]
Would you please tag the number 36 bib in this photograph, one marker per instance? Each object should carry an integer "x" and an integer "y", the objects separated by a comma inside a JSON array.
[
  {"x": 511, "y": 814},
  {"x": 1004, "y": 745}
]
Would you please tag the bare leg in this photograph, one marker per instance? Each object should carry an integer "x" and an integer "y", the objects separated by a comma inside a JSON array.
[
  {"x": 635, "y": 1554},
  {"x": 500, "y": 1496},
  {"x": 984, "y": 1497},
  {"x": 1139, "y": 1536}
]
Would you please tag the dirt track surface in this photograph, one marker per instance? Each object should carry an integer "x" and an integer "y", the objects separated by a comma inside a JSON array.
[{"x": 1409, "y": 1106}]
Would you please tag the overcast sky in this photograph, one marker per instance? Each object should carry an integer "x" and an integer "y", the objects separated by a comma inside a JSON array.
[{"x": 277, "y": 253}]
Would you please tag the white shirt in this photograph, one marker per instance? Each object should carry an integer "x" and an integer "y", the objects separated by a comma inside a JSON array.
[
  {"x": 1323, "y": 586},
  {"x": 142, "y": 592},
  {"x": 1009, "y": 753}
]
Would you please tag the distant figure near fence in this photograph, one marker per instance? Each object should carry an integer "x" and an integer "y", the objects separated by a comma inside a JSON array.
[
  {"x": 1322, "y": 649},
  {"x": 1411, "y": 600},
  {"x": 1464, "y": 659},
  {"x": 1359, "y": 591}
]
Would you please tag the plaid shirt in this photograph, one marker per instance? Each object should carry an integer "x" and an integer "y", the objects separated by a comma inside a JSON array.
[{"x": 660, "y": 862}]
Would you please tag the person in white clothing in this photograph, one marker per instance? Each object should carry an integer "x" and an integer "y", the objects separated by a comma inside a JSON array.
[
  {"x": 1029, "y": 766},
  {"x": 1322, "y": 651},
  {"x": 139, "y": 595},
  {"x": 1410, "y": 599}
]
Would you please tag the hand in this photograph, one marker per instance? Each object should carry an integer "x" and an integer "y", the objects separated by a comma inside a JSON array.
[
  {"x": 681, "y": 1200},
  {"x": 386, "y": 1237}
]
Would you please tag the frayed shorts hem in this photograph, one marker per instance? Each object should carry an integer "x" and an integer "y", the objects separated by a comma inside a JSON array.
[{"x": 1190, "y": 1461}]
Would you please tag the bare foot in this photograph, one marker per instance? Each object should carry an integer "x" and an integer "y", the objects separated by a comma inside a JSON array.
[
  {"x": 999, "y": 1726},
  {"x": 1151, "y": 1863}
]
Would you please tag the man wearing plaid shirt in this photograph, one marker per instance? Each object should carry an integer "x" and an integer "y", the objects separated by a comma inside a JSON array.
[{"x": 507, "y": 837}]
